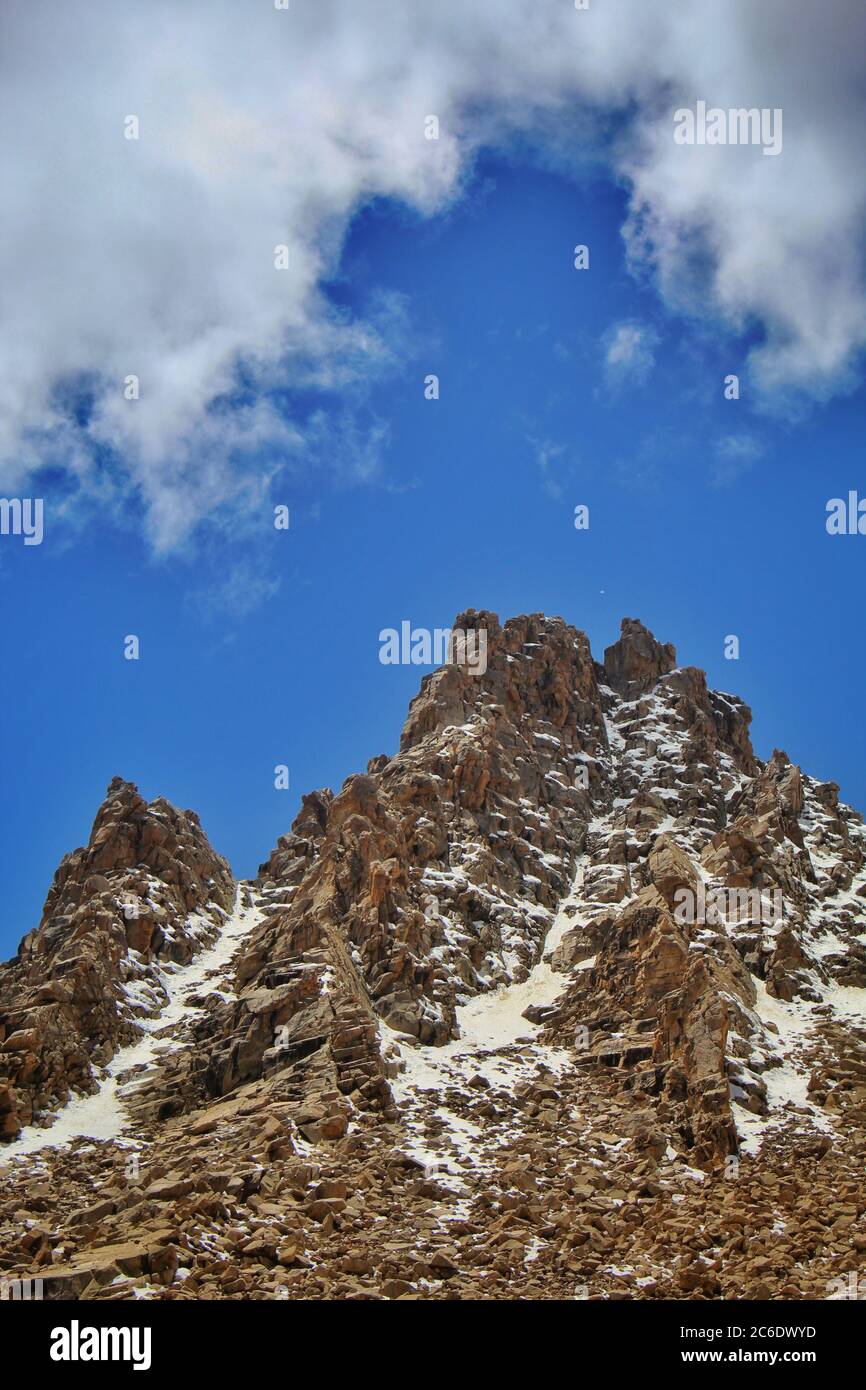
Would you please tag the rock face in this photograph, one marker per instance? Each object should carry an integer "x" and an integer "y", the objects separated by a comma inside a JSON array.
[
  {"x": 566, "y": 994},
  {"x": 634, "y": 663},
  {"x": 440, "y": 869},
  {"x": 147, "y": 889}
]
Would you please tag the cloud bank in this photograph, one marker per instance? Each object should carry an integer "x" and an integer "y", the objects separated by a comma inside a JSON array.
[{"x": 262, "y": 127}]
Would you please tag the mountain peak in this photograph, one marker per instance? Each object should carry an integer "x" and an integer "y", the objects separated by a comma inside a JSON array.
[
  {"x": 634, "y": 663},
  {"x": 570, "y": 944}
]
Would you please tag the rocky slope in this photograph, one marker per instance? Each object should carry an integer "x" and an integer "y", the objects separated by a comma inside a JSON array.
[
  {"x": 564, "y": 999},
  {"x": 148, "y": 888}
]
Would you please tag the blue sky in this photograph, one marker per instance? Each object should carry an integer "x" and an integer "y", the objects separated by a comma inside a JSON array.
[{"x": 258, "y": 647}]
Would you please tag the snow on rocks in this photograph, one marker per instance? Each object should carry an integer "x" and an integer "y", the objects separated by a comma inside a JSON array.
[
  {"x": 509, "y": 1069},
  {"x": 104, "y": 1115}
]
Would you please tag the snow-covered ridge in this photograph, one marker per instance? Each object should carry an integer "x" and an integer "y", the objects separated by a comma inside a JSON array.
[
  {"x": 166, "y": 990},
  {"x": 659, "y": 787}
]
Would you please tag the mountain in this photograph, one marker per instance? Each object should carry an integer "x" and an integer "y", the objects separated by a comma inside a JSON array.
[{"x": 564, "y": 999}]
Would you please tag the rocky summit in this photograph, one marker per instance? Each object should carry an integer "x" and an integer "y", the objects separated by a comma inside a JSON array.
[{"x": 563, "y": 1000}]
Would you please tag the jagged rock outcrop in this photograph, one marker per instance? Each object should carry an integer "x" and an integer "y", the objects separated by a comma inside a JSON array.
[
  {"x": 634, "y": 663},
  {"x": 146, "y": 889},
  {"x": 435, "y": 874}
]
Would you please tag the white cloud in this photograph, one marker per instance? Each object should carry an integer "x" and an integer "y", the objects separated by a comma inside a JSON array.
[
  {"x": 736, "y": 454},
  {"x": 630, "y": 353},
  {"x": 548, "y": 458},
  {"x": 243, "y": 588},
  {"x": 261, "y": 126}
]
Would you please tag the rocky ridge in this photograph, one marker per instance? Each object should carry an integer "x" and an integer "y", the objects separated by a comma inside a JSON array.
[
  {"x": 148, "y": 888},
  {"x": 563, "y": 999}
]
